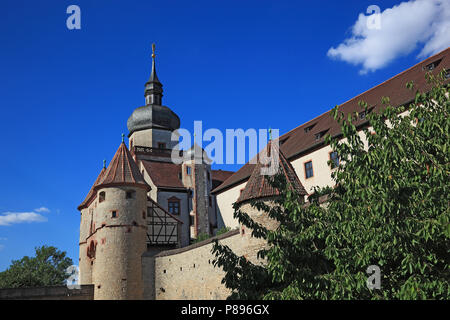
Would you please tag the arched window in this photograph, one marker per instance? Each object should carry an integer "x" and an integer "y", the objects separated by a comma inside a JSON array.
[
  {"x": 91, "y": 250},
  {"x": 102, "y": 196}
]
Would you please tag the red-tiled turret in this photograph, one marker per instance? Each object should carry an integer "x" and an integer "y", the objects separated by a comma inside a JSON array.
[
  {"x": 258, "y": 186},
  {"x": 123, "y": 171}
]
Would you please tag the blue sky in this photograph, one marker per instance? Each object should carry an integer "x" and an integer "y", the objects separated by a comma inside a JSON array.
[{"x": 65, "y": 95}]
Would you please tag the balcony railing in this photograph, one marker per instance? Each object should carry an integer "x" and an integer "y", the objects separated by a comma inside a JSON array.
[{"x": 157, "y": 152}]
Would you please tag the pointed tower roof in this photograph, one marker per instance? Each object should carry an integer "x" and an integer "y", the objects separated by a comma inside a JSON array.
[
  {"x": 258, "y": 187},
  {"x": 91, "y": 194},
  {"x": 153, "y": 76},
  {"x": 122, "y": 171}
]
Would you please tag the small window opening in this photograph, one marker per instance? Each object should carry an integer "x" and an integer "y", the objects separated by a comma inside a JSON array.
[{"x": 102, "y": 196}]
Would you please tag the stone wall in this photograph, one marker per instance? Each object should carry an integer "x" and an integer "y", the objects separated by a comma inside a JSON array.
[
  {"x": 86, "y": 292},
  {"x": 188, "y": 273}
]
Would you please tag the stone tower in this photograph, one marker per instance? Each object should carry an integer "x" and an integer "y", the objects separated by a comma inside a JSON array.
[
  {"x": 196, "y": 168},
  {"x": 113, "y": 230}
]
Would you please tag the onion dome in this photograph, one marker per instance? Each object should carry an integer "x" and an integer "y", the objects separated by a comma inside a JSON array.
[{"x": 153, "y": 115}]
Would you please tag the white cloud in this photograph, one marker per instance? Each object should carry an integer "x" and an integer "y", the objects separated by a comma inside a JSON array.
[
  {"x": 42, "y": 209},
  {"x": 9, "y": 218},
  {"x": 415, "y": 24}
]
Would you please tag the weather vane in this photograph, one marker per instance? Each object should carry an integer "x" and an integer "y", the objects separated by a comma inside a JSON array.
[{"x": 153, "y": 50}]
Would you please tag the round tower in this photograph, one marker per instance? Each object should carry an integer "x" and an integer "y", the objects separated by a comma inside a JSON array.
[
  {"x": 118, "y": 234},
  {"x": 271, "y": 161}
]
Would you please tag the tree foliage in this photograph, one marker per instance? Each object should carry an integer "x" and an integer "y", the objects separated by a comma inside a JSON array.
[
  {"x": 389, "y": 207},
  {"x": 46, "y": 268}
]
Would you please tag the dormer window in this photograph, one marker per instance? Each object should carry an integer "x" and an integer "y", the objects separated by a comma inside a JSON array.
[
  {"x": 308, "y": 129},
  {"x": 433, "y": 65},
  {"x": 161, "y": 145},
  {"x": 320, "y": 134}
]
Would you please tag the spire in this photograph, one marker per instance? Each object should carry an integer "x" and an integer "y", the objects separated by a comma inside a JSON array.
[
  {"x": 153, "y": 87},
  {"x": 153, "y": 76}
]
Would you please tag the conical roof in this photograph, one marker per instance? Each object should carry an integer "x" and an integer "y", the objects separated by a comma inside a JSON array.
[
  {"x": 92, "y": 192},
  {"x": 122, "y": 170},
  {"x": 258, "y": 186}
]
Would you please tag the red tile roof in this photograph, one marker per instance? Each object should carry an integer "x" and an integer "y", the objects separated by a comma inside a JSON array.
[
  {"x": 164, "y": 174},
  {"x": 91, "y": 194},
  {"x": 297, "y": 142},
  {"x": 219, "y": 176},
  {"x": 122, "y": 170},
  {"x": 259, "y": 187}
]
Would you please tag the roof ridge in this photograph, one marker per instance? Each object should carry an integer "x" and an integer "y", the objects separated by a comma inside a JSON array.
[{"x": 370, "y": 89}]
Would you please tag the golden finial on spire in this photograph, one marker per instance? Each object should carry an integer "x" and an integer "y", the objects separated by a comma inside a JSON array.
[{"x": 153, "y": 50}]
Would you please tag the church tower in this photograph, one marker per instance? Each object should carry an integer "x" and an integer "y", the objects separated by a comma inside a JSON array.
[
  {"x": 114, "y": 230},
  {"x": 152, "y": 125}
]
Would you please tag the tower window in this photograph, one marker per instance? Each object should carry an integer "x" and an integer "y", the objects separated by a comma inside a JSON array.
[
  {"x": 309, "y": 170},
  {"x": 130, "y": 194},
  {"x": 191, "y": 220},
  {"x": 144, "y": 215},
  {"x": 113, "y": 214},
  {"x": 102, "y": 196},
  {"x": 210, "y": 201},
  {"x": 188, "y": 170},
  {"x": 161, "y": 145},
  {"x": 334, "y": 159},
  {"x": 208, "y": 175},
  {"x": 174, "y": 205}
]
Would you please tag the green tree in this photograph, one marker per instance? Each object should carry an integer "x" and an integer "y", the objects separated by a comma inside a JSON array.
[
  {"x": 390, "y": 208},
  {"x": 46, "y": 268}
]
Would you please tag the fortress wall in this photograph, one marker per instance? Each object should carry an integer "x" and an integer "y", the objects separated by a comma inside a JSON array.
[{"x": 189, "y": 273}]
